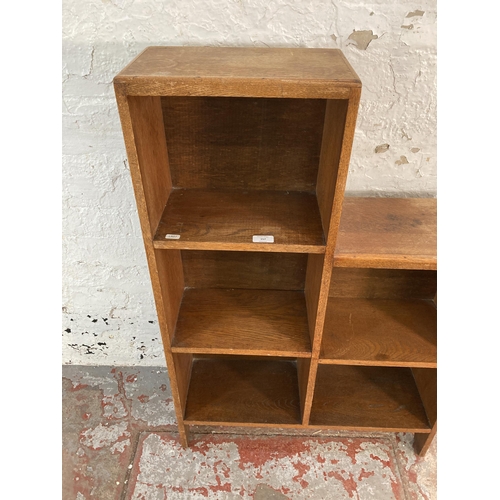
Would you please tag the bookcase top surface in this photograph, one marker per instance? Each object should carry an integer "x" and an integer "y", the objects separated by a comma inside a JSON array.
[
  {"x": 295, "y": 72},
  {"x": 392, "y": 233}
]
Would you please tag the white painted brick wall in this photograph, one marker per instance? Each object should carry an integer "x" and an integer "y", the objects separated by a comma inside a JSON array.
[{"x": 108, "y": 310}]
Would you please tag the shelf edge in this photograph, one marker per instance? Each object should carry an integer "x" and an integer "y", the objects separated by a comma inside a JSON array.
[
  {"x": 396, "y": 364},
  {"x": 241, "y": 352},
  {"x": 239, "y": 247},
  {"x": 386, "y": 261}
]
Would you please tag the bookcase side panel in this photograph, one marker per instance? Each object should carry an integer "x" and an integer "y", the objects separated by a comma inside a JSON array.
[
  {"x": 149, "y": 137},
  {"x": 167, "y": 292},
  {"x": 343, "y": 165},
  {"x": 426, "y": 380},
  {"x": 331, "y": 146}
]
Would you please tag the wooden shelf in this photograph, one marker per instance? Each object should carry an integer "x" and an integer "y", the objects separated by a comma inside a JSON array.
[
  {"x": 396, "y": 233},
  {"x": 380, "y": 333},
  {"x": 240, "y": 321},
  {"x": 227, "y": 220},
  {"x": 238, "y": 392},
  {"x": 225, "y": 144},
  {"x": 368, "y": 398}
]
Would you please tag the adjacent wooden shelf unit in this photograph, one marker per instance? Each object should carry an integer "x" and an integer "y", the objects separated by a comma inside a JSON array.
[
  {"x": 395, "y": 233},
  {"x": 328, "y": 318},
  {"x": 368, "y": 398},
  {"x": 380, "y": 332}
]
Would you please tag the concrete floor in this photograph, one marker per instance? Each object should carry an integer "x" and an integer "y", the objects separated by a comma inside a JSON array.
[{"x": 120, "y": 443}]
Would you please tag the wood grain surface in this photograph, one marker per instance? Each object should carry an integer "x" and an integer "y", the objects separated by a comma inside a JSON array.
[
  {"x": 227, "y": 220},
  {"x": 149, "y": 199},
  {"x": 331, "y": 148},
  {"x": 383, "y": 283},
  {"x": 183, "y": 363},
  {"x": 368, "y": 397},
  {"x": 239, "y": 321},
  {"x": 426, "y": 381},
  {"x": 345, "y": 117},
  {"x": 239, "y": 71},
  {"x": 303, "y": 375},
  {"x": 396, "y": 233},
  {"x": 244, "y": 143},
  {"x": 170, "y": 278},
  {"x": 251, "y": 270},
  {"x": 151, "y": 147},
  {"x": 314, "y": 274},
  {"x": 243, "y": 391},
  {"x": 380, "y": 333},
  {"x": 422, "y": 442},
  {"x": 349, "y": 126},
  {"x": 228, "y": 143}
]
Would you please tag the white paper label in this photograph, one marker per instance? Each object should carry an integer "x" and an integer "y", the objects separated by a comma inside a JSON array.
[
  {"x": 262, "y": 238},
  {"x": 172, "y": 236}
]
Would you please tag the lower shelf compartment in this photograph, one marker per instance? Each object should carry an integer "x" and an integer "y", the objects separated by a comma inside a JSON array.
[
  {"x": 368, "y": 398},
  {"x": 238, "y": 321},
  {"x": 241, "y": 391},
  {"x": 380, "y": 332}
]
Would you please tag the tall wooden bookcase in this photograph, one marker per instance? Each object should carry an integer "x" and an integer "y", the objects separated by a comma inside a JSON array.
[{"x": 273, "y": 311}]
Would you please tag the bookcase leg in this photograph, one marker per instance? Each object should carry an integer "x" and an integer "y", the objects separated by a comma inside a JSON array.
[
  {"x": 422, "y": 442},
  {"x": 184, "y": 436}
]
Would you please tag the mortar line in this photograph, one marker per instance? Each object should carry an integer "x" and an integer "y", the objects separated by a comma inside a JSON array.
[
  {"x": 126, "y": 480},
  {"x": 406, "y": 490},
  {"x": 135, "y": 444}
]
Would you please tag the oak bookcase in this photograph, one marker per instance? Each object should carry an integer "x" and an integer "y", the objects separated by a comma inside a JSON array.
[{"x": 274, "y": 310}]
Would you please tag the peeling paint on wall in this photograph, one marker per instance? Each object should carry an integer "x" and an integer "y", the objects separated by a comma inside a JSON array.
[
  {"x": 382, "y": 148},
  {"x": 415, "y": 13},
  {"x": 402, "y": 160},
  {"x": 362, "y": 38},
  {"x": 132, "y": 337}
]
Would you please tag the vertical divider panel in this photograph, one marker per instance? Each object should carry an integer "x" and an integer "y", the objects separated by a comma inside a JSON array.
[
  {"x": 143, "y": 131},
  {"x": 336, "y": 146},
  {"x": 303, "y": 372},
  {"x": 314, "y": 272},
  {"x": 315, "y": 297}
]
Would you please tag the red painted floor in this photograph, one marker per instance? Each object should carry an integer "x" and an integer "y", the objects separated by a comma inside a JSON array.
[{"x": 120, "y": 442}]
